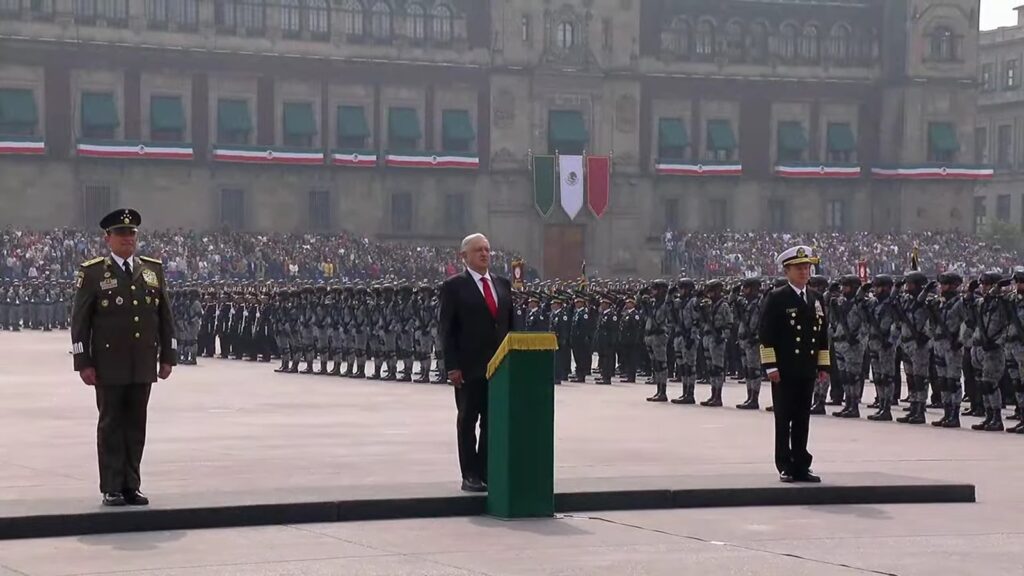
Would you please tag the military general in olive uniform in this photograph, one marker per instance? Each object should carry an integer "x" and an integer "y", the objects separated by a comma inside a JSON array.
[{"x": 123, "y": 339}]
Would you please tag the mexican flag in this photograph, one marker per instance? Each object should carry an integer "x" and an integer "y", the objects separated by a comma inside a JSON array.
[{"x": 570, "y": 173}]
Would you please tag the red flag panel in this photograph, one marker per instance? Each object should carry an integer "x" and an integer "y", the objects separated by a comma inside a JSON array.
[{"x": 598, "y": 184}]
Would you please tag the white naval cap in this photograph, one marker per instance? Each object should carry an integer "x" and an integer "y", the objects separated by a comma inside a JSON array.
[{"x": 797, "y": 255}]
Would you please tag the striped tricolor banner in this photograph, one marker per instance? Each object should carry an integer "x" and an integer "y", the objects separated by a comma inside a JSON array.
[
  {"x": 360, "y": 159},
  {"x": 268, "y": 156},
  {"x": 407, "y": 160},
  {"x": 135, "y": 150},
  {"x": 933, "y": 172},
  {"x": 819, "y": 171},
  {"x": 686, "y": 169},
  {"x": 22, "y": 146}
]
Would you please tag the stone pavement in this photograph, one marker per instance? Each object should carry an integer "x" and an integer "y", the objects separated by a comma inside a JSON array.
[{"x": 230, "y": 425}]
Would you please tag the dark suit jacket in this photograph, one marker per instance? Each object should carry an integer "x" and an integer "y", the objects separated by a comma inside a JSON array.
[
  {"x": 794, "y": 337},
  {"x": 469, "y": 334}
]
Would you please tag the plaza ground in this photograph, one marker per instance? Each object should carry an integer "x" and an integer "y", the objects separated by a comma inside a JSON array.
[{"x": 228, "y": 426}]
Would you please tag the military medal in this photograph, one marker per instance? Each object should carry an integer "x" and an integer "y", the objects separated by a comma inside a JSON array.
[
  {"x": 104, "y": 302},
  {"x": 148, "y": 299},
  {"x": 150, "y": 277},
  {"x": 108, "y": 284},
  {"x": 119, "y": 300},
  {"x": 106, "y": 274}
]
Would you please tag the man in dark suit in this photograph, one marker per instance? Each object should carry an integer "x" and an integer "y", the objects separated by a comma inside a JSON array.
[
  {"x": 794, "y": 351},
  {"x": 476, "y": 314},
  {"x": 122, "y": 337}
]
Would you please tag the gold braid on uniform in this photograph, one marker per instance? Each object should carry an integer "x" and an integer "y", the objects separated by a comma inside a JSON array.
[
  {"x": 88, "y": 263},
  {"x": 768, "y": 355},
  {"x": 824, "y": 359},
  {"x": 151, "y": 260}
]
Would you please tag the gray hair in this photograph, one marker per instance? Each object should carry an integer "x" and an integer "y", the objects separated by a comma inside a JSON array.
[{"x": 469, "y": 240}]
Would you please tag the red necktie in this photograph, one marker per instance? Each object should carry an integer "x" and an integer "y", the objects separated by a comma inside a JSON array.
[{"x": 492, "y": 304}]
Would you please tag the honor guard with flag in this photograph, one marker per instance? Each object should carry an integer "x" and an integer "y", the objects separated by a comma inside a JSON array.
[
  {"x": 794, "y": 353},
  {"x": 123, "y": 339}
]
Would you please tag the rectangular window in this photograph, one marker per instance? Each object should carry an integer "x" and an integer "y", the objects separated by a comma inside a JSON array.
[
  {"x": 99, "y": 115},
  {"x": 719, "y": 214},
  {"x": 299, "y": 124},
  {"x": 981, "y": 145},
  {"x": 403, "y": 129},
  {"x": 1003, "y": 207},
  {"x": 457, "y": 134},
  {"x": 980, "y": 214},
  {"x": 835, "y": 215},
  {"x": 776, "y": 215},
  {"x": 401, "y": 212},
  {"x": 455, "y": 212},
  {"x": 232, "y": 209},
  {"x": 1004, "y": 146},
  {"x": 166, "y": 119},
  {"x": 233, "y": 122},
  {"x": 791, "y": 141},
  {"x": 720, "y": 140},
  {"x": 672, "y": 138},
  {"x": 18, "y": 114},
  {"x": 320, "y": 209},
  {"x": 96, "y": 204},
  {"x": 988, "y": 81},
  {"x": 1010, "y": 75},
  {"x": 942, "y": 142},
  {"x": 840, "y": 142},
  {"x": 670, "y": 207}
]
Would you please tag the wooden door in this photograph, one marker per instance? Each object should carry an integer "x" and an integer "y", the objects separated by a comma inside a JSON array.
[{"x": 563, "y": 251}]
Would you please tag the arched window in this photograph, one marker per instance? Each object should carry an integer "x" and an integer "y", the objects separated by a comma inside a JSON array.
[
  {"x": 942, "y": 44},
  {"x": 291, "y": 18},
  {"x": 318, "y": 18},
  {"x": 734, "y": 40},
  {"x": 705, "y": 39},
  {"x": 676, "y": 39},
  {"x": 441, "y": 23},
  {"x": 251, "y": 15},
  {"x": 810, "y": 46},
  {"x": 351, "y": 12},
  {"x": 839, "y": 43},
  {"x": 380, "y": 20},
  {"x": 416, "y": 22},
  {"x": 566, "y": 35},
  {"x": 757, "y": 45},
  {"x": 787, "y": 41}
]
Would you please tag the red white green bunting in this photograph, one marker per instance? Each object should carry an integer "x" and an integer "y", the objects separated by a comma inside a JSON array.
[
  {"x": 20, "y": 146},
  {"x": 428, "y": 160},
  {"x": 134, "y": 150},
  {"x": 817, "y": 171},
  {"x": 671, "y": 168},
  {"x": 363, "y": 159},
  {"x": 933, "y": 172},
  {"x": 261, "y": 155}
]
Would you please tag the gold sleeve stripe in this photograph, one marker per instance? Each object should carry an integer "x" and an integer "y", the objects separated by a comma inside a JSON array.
[
  {"x": 768, "y": 355},
  {"x": 823, "y": 358}
]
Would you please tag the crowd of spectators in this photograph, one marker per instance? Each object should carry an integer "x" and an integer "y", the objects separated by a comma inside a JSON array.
[
  {"x": 731, "y": 254},
  {"x": 205, "y": 256}
]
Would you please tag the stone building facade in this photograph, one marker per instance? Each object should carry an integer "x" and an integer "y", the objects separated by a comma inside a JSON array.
[
  {"x": 999, "y": 132},
  {"x": 287, "y": 115}
]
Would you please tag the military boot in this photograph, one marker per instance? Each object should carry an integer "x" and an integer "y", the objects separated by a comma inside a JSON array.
[
  {"x": 853, "y": 409},
  {"x": 295, "y": 367},
  {"x": 755, "y": 393},
  {"x": 309, "y": 367},
  {"x": 745, "y": 405},
  {"x": 716, "y": 399},
  {"x": 406, "y": 372},
  {"x": 323, "y": 367},
  {"x": 945, "y": 417},
  {"x": 360, "y": 370},
  {"x": 996, "y": 424},
  {"x": 660, "y": 395},
  {"x": 336, "y": 371},
  {"x": 884, "y": 413},
  {"x": 847, "y": 406},
  {"x": 284, "y": 364},
  {"x": 1015, "y": 415},
  {"x": 1018, "y": 429},
  {"x": 953, "y": 421},
  {"x": 818, "y": 407},
  {"x": 682, "y": 397},
  {"x": 377, "y": 367},
  {"x": 914, "y": 416},
  {"x": 984, "y": 423}
]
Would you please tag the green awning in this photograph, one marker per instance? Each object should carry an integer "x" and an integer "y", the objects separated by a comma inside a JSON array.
[
  {"x": 298, "y": 119},
  {"x": 720, "y": 136},
  {"x": 166, "y": 113},
  {"x": 792, "y": 137},
  {"x": 840, "y": 138},
  {"x": 567, "y": 126},
  {"x": 18, "y": 107},
  {"x": 942, "y": 136},
  {"x": 233, "y": 116},
  {"x": 99, "y": 110},
  {"x": 403, "y": 124},
  {"x": 352, "y": 122},
  {"x": 456, "y": 125},
  {"x": 672, "y": 133}
]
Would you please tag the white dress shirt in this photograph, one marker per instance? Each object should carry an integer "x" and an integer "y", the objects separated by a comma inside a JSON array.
[
  {"x": 120, "y": 262},
  {"x": 480, "y": 285}
]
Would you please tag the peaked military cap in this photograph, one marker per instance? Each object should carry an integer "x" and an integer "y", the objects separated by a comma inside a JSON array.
[
  {"x": 797, "y": 255},
  {"x": 121, "y": 218}
]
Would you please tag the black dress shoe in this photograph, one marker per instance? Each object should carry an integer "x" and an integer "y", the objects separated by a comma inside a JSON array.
[
  {"x": 808, "y": 477},
  {"x": 135, "y": 498},
  {"x": 473, "y": 485},
  {"x": 786, "y": 478},
  {"x": 113, "y": 499}
]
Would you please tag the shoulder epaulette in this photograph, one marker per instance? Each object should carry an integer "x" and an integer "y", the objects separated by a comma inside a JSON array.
[
  {"x": 151, "y": 260},
  {"x": 88, "y": 263}
]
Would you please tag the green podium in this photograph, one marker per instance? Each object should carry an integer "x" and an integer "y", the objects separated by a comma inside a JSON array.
[{"x": 521, "y": 427}]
